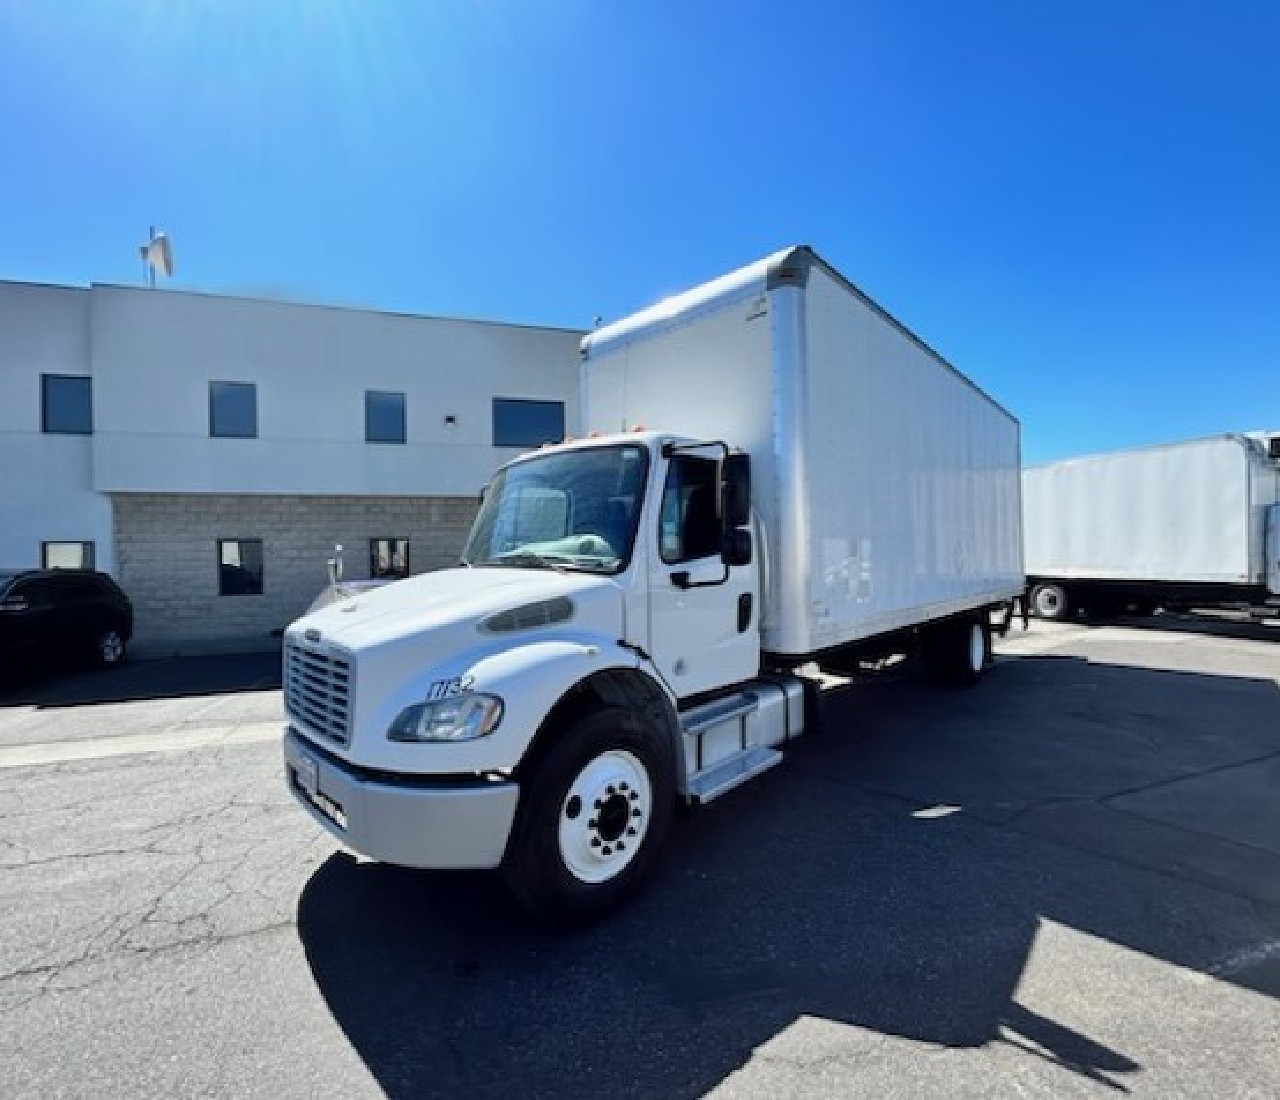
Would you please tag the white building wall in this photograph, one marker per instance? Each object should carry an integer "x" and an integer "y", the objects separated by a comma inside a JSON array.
[
  {"x": 46, "y": 481},
  {"x": 154, "y": 354},
  {"x": 154, "y": 491}
]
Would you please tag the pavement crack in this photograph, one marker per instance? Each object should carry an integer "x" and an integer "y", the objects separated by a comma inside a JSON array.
[
  {"x": 50, "y": 971},
  {"x": 1200, "y": 773}
]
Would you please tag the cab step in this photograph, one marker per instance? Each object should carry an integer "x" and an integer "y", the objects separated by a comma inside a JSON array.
[
  {"x": 732, "y": 772},
  {"x": 719, "y": 712}
]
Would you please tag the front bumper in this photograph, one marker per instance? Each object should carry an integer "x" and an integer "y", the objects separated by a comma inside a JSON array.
[{"x": 410, "y": 821}]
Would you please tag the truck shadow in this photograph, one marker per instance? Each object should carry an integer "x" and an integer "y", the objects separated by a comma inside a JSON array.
[{"x": 893, "y": 876}]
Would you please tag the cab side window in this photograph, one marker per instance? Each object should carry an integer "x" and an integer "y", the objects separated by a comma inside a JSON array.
[{"x": 688, "y": 526}]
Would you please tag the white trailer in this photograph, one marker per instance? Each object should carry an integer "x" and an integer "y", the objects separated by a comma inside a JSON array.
[
  {"x": 1186, "y": 524},
  {"x": 777, "y": 472}
]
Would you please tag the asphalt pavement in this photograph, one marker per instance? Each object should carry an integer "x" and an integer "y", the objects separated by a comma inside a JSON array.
[{"x": 1065, "y": 882}]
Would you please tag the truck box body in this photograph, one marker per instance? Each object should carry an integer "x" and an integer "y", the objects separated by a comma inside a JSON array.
[
  {"x": 886, "y": 484},
  {"x": 1185, "y": 513}
]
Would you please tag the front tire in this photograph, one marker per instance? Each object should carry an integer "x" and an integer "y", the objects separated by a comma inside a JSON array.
[{"x": 593, "y": 812}]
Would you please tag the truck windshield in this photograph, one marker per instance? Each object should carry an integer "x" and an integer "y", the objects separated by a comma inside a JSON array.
[{"x": 573, "y": 509}]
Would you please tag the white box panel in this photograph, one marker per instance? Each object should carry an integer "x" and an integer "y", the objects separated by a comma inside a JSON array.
[{"x": 1187, "y": 512}]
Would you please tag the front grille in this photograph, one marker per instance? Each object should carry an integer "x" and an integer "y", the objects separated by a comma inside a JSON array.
[{"x": 318, "y": 691}]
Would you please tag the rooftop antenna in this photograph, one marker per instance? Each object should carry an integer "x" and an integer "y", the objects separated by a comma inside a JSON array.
[{"x": 157, "y": 255}]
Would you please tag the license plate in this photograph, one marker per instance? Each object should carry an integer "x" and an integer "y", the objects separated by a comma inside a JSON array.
[{"x": 307, "y": 772}]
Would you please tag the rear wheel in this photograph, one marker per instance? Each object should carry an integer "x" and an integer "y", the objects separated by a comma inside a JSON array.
[
  {"x": 592, "y": 815},
  {"x": 1049, "y": 601},
  {"x": 957, "y": 652},
  {"x": 108, "y": 647}
]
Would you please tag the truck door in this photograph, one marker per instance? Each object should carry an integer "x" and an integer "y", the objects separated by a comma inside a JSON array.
[{"x": 703, "y": 626}]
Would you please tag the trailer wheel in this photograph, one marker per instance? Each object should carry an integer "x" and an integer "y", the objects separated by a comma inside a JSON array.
[
  {"x": 592, "y": 815},
  {"x": 1049, "y": 601},
  {"x": 957, "y": 652}
]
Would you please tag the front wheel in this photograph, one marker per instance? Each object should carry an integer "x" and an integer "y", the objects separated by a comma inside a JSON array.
[{"x": 592, "y": 815}]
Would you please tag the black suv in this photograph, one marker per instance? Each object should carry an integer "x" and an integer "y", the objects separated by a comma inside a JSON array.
[{"x": 56, "y": 612}]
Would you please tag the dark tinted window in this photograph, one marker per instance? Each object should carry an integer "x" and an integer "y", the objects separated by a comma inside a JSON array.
[
  {"x": 388, "y": 558},
  {"x": 239, "y": 567},
  {"x": 527, "y": 423},
  {"x": 66, "y": 404},
  {"x": 66, "y": 555},
  {"x": 383, "y": 417},
  {"x": 233, "y": 409}
]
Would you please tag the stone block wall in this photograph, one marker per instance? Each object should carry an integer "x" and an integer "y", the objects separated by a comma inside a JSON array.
[{"x": 167, "y": 557}]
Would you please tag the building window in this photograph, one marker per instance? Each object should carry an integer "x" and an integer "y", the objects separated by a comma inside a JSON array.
[
  {"x": 388, "y": 558},
  {"x": 383, "y": 417},
  {"x": 239, "y": 567},
  {"x": 527, "y": 423},
  {"x": 66, "y": 404},
  {"x": 233, "y": 410},
  {"x": 66, "y": 555}
]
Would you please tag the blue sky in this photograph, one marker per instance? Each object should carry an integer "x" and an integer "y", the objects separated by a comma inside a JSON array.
[{"x": 1078, "y": 204}]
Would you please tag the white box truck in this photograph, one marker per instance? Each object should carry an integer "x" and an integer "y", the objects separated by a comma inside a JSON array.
[
  {"x": 776, "y": 472},
  {"x": 1186, "y": 524}
]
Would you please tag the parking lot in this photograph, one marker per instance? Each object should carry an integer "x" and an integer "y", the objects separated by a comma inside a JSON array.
[{"x": 1065, "y": 882}]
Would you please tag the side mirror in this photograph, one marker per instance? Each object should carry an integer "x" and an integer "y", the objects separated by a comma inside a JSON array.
[
  {"x": 735, "y": 491},
  {"x": 736, "y": 548}
]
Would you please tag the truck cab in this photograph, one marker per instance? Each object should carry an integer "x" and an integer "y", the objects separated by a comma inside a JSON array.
[{"x": 612, "y": 584}]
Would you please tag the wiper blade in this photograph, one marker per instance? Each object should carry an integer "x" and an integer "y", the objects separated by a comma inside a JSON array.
[
  {"x": 594, "y": 566},
  {"x": 527, "y": 558}
]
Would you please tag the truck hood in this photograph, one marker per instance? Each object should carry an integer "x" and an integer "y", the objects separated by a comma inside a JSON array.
[{"x": 442, "y": 602}]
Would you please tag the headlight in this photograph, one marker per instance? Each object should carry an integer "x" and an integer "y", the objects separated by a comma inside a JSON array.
[{"x": 461, "y": 717}]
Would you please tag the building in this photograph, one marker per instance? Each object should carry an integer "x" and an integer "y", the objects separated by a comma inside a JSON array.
[{"x": 209, "y": 451}]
